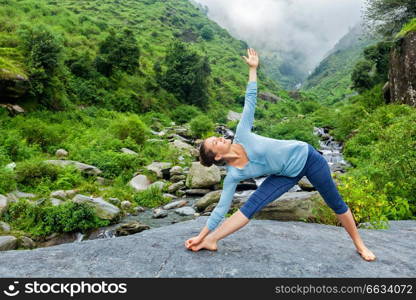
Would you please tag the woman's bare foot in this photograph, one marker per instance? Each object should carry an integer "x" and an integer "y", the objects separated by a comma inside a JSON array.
[
  {"x": 208, "y": 243},
  {"x": 366, "y": 254}
]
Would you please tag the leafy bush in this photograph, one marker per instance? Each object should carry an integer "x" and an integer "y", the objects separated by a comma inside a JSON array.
[
  {"x": 40, "y": 220},
  {"x": 184, "y": 113},
  {"x": 201, "y": 126},
  {"x": 7, "y": 180},
  {"x": 130, "y": 126},
  {"x": 151, "y": 197}
]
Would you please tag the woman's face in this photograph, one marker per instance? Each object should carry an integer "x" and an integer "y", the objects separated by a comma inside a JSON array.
[{"x": 218, "y": 145}]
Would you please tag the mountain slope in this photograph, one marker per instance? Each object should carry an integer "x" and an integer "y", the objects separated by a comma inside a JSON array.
[
  {"x": 331, "y": 79},
  {"x": 81, "y": 26}
]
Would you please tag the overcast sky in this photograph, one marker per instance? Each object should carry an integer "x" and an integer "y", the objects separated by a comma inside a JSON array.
[{"x": 310, "y": 26}]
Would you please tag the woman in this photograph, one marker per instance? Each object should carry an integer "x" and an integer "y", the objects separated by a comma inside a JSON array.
[{"x": 252, "y": 155}]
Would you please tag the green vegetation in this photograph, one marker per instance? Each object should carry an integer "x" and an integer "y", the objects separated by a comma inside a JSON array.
[
  {"x": 409, "y": 27},
  {"x": 202, "y": 126},
  {"x": 43, "y": 220}
]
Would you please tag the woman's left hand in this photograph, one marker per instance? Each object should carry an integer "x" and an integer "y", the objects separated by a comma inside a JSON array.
[{"x": 252, "y": 60}]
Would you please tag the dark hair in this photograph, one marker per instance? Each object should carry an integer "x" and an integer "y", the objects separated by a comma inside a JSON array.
[{"x": 207, "y": 157}]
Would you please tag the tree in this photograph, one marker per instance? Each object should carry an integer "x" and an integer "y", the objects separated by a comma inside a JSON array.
[
  {"x": 207, "y": 33},
  {"x": 388, "y": 16},
  {"x": 360, "y": 77},
  {"x": 118, "y": 51},
  {"x": 186, "y": 75}
]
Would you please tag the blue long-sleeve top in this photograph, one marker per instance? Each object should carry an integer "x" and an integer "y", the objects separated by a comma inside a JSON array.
[{"x": 266, "y": 156}]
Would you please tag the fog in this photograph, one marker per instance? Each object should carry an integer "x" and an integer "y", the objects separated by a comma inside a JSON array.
[{"x": 308, "y": 28}]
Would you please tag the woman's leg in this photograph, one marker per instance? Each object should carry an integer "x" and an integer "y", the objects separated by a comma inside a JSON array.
[
  {"x": 319, "y": 175},
  {"x": 271, "y": 188}
]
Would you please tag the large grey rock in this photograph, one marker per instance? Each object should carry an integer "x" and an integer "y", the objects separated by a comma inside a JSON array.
[
  {"x": 128, "y": 151},
  {"x": 305, "y": 184},
  {"x": 139, "y": 183},
  {"x": 176, "y": 170},
  {"x": 3, "y": 203},
  {"x": 291, "y": 206},
  {"x": 207, "y": 200},
  {"x": 185, "y": 147},
  {"x": 262, "y": 248},
  {"x": 176, "y": 186},
  {"x": 185, "y": 211},
  {"x": 60, "y": 153},
  {"x": 200, "y": 176},
  {"x": 103, "y": 209},
  {"x": 26, "y": 242},
  {"x": 159, "y": 168},
  {"x": 131, "y": 228},
  {"x": 158, "y": 184},
  {"x": 88, "y": 169},
  {"x": 56, "y": 201},
  {"x": 175, "y": 204},
  {"x": 16, "y": 195},
  {"x": 5, "y": 227},
  {"x": 7, "y": 242}
]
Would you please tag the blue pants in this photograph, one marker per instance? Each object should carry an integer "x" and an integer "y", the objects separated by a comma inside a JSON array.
[{"x": 316, "y": 170}]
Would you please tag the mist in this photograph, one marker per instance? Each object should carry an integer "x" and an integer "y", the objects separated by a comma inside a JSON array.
[{"x": 306, "y": 29}]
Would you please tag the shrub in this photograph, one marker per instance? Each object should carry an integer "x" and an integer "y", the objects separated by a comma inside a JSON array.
[
  {"x": 7, "y": 180},
  {"x": 130, "y": 126},
  {"x": 151, "y": 197},
  {"x": 40, "y": 220},
  {"x": 201, "y": 126},
  {"x": 184, "y": 113}
]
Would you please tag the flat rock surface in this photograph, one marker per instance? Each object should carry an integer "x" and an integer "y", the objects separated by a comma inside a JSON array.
[{"x": 263, "y": 248}]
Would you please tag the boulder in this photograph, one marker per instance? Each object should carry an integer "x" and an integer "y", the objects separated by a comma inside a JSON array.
[
  {"x": 176, "y": 170},
  {"x": 7, "y": 242},
  {"x": 4, "y": 227},
  {"x": 159, "y": 213},
  {"x": 305, "y": 184},
  {"x": 159, "y": 168},
  {"x": 176, "y": 178},
  {"x": 56, "y": 201},
  {"x": 125, "y": 204},
  {"x": 60, "y": 153},
  {"x": 291, "y": 206},
  {"x": 87, "y": 169},
  {"x": 186, "y": 147},
  {"x": 175, "y": 204},
  {"x": 130, "y": 228},
  {"x": 159, "y": 184},
  {"x": 176, "y": 186},
  {"x": 185, "y": 211},
  {"x": 103, "y": 209},
  {"x": 200, "y": 176},
  {"x": 26, "y": 242},
  {"x": 128, "y": 151},
  {"x": 139, "y": 183},
  {"x": 204, "y": 202},
  {"x": 197, "y": 192},
  {"x": 3, "y": 203}
]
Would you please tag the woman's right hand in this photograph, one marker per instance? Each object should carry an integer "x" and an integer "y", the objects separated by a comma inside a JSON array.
[
  {"x": 193, "y": 241},
  {"x": 252, "y": 60}
]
